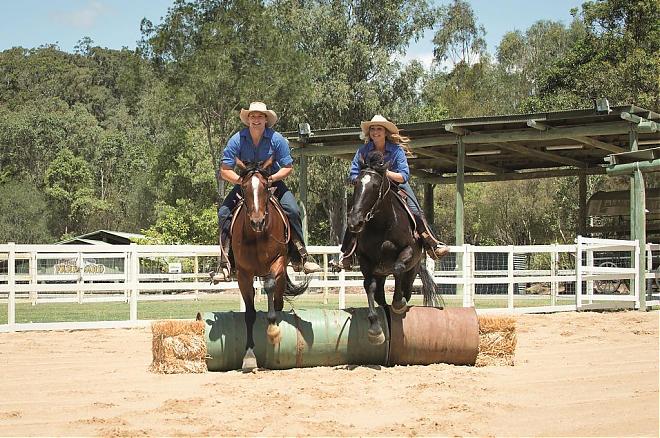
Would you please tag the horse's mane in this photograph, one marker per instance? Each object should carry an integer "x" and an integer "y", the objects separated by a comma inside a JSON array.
[{"x": 376, "y": 161}]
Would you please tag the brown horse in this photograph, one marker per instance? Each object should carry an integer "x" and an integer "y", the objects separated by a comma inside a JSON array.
[{"x": 260, "y": 247}]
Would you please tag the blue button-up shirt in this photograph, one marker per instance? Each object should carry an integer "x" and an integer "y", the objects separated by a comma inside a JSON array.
[
  {"x": 393, "y": 153},
  {"x": 272, "y": 143}
]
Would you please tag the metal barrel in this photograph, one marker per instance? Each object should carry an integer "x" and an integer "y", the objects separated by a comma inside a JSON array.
[
  {"x": 315, "y": 337},
  {"x": 426, "y": 335}
]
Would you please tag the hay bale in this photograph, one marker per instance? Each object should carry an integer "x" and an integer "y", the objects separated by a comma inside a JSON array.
[
  {"x": 497, "y": 340},
  {"x": 178, "y": 346}
]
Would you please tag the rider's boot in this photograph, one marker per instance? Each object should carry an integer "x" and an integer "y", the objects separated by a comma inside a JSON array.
[
  {"x": 300, "y": 261},
  {"x": 223, "y": 271},
  {"x": 433, "y": 247},
  {"x": 347, "y": 255}
]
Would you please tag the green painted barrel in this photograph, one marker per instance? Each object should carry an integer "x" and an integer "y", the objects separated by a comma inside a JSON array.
[{"x": 315, "y": 337}]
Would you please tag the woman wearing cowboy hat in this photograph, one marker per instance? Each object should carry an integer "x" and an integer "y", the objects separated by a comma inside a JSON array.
[
  {"x": 382, "y": 135},
  {"x": 255, "y": 143}
]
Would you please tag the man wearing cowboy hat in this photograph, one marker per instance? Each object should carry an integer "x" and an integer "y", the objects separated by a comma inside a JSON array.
[{"x": 255, "y": 143}]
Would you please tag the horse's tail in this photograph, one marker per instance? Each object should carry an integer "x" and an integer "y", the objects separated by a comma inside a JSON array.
[
  {"x": 292, "y": 290},
  {"x": 430, "y": 290}
]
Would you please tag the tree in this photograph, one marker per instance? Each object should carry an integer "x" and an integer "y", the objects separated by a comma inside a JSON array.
[
  {"x": 24, "y": 214},
  {"x": 616, "y": 58},
  {"x": 70, "y": 193},
  {"x": 459, "y": 38}
]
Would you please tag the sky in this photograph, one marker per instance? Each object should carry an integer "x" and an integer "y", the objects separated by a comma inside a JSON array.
[{"x": 116, "y": 23}]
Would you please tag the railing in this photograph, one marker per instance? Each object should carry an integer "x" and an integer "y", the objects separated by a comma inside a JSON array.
[{"x": 511, "y": 278}]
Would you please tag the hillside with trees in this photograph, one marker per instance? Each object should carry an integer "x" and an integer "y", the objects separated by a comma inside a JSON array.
[{"x": 130, "y": 139}]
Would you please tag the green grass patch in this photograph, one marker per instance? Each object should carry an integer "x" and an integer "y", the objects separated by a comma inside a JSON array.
[{"x": 188, "y": 309}]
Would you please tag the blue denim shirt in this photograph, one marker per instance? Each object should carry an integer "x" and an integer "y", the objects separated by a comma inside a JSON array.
[
  {"x": 272, "y": 143},
  {"x": 393, "y": 153}
]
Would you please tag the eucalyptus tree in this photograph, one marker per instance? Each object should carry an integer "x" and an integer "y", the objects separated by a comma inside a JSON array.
[
  {"x": 616, "y": 57},
  {"x": 216, "y": 56},
  {"x": 352, "y": 49}
]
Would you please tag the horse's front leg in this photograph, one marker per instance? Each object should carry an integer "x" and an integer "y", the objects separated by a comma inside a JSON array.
[
  {"x": 274, "y": 285},
  {"x": 245, "y": 284},
  {"x": 399, "y": 303},
  {"x": 375, "y": 332}
]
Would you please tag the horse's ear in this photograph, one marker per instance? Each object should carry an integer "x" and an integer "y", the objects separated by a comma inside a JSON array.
[
  {"x": 266, "y": 164},
  {"x": 241, "y": 165}
]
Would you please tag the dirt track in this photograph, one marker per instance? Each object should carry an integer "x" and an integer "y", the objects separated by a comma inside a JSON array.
[{"x": 588, "y": 374}]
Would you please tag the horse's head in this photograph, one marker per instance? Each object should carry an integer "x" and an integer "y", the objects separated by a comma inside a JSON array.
[
  {"x": 254, "y": 185},
  {"x": 370, "y": 187}
]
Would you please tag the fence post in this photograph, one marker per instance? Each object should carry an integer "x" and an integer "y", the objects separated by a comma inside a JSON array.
[
  {"x": 135, "y": 272},
  {"x": 468, "y": 291},
  {"x": 196, "y": 275},
  {"x": 578, "y": 274},
  {"x": 325, "y": 278},
  {"x": 34, "y": 295},
  {"x": 510, "y": 277},
  {"x": 342, "y": 289},
  {"x": 79, "y": 281},
  {"x": 590, "y": 283},
  {"x": 554, "y": 266},
  {"x": 11, "y": 281},
  {"x": 639, "y": 281}
]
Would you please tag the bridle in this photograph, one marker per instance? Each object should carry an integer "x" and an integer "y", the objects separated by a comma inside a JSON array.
[
  {"x": 384, "y": 188},
  {"x": 249, "y": 175}
]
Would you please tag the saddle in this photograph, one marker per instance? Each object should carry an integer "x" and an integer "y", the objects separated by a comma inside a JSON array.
[{"x": 401, "y": 196}]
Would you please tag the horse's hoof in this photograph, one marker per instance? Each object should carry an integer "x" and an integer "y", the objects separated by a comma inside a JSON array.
[
  {"x": 249, "y": 361},
  {"x": 399, "y": 310},
  {"x": 274, "y": 334},
  {"x": 376, "y": 339}
]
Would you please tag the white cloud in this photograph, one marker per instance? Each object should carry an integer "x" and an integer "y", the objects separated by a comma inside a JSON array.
[{"x": 82, "y": 18}]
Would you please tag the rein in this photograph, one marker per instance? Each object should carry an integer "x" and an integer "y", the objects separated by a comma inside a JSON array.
[{"x": 381, "y": 194}]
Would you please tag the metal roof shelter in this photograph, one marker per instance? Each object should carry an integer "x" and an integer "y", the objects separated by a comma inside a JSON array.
[
  {"x": 101, "y": 237},
  {"x": 503, "y": 148}
]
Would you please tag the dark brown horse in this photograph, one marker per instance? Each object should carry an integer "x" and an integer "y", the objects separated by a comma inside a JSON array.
[
  {"x": 259, "y": 243},
  {"x": 385, "y": 243}
]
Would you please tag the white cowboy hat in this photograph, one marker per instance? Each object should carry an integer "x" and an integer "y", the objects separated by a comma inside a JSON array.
[
  {"x": 271, "y": 117},
  {"x": 379, "y": 121}
]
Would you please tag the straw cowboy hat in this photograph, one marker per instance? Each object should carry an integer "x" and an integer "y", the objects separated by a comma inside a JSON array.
[
  {"x": 260, "y": 107},
  {"x": 379, "y": 120}
]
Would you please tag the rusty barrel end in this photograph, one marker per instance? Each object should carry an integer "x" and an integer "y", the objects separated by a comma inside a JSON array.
[{"x": 426, "y": 335}]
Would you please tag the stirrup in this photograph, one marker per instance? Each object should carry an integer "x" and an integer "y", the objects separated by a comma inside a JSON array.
[
  {"x": 438, "y": 251},
  {"x": 223, "y": 274}
]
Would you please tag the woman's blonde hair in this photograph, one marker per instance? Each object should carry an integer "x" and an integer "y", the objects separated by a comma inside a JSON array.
[{"x": 399, "y": 139}]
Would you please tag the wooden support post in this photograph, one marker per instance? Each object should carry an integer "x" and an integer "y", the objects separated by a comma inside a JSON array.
[
  {"x": 460, "y": 192},
  {"x": 638, "y": 221},
  {"x": 303, "y": 195},
  {"x": 428, "y": 203},
  {"x": 582, "y": 205}
]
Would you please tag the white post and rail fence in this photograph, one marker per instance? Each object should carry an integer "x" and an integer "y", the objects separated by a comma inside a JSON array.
[{"x": 590, "y": 274}]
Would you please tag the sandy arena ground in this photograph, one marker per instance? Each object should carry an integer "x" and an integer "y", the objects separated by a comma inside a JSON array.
[{"x": 576, "y": 374}]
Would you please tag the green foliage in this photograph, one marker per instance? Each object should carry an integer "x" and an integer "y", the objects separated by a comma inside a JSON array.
[
  {"x": 459, "y": 38},
  {"x": 129, "y": 140},
  {"x": 616, "y": 57},
  {"x": 183, "y": 224},
  {"x": 24, "y": 214}
]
